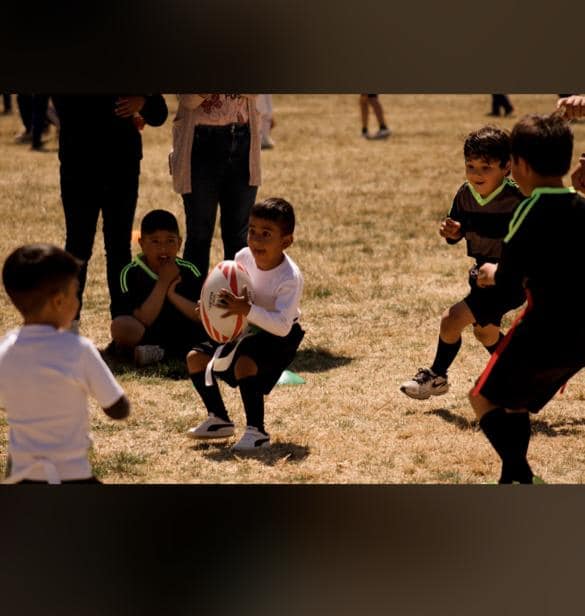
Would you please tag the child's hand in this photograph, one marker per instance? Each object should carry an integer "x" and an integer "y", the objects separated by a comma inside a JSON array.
[
  {"x": 486, "y": 275},
  {"x": 235, "y": 304},
  {"x": 450, "y": 229},
  {"x": 127, "y": 106},
  {"x": 572, "y": 106},
  {"x": 173, "y": 286},
  {"x": 198, "y": 311},
  {"x": 578, "y": 175},
  {"x": 169, "y": 272}
]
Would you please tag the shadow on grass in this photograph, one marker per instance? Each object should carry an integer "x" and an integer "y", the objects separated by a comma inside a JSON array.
[
  {"x": 277, "y": 453},
  {"x": 173, "y": 369},
  {"x": 317, "y": 360},
  {"x": 568, "y": 427},
  {"x": 463, "y": 423}
]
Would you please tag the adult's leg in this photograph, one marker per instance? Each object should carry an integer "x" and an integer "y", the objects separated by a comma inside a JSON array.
[
  {"x": 81, "y": 206},
  {"x": 40, "y": 104},
  {"x": 236, "y": 196},
  {"x": 118, "y": 209},
  {"x": 364, "y": 112},
  {"x": 378, "y": 111},
  {"x": 24, "y": 103}
]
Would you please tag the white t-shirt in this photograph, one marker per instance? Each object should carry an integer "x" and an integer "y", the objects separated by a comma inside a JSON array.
[
  {"x": 46, "y": 376},
  {"x": 277, "y": 294}
]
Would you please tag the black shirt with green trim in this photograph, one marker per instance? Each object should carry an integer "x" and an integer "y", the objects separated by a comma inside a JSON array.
[
  {"x": 544, "y": 249},
  {"x": 137, "y": 281},
  {"x": 484, "y": 220}
]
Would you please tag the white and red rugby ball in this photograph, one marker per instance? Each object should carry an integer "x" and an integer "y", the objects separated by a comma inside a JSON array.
[{"x": 225, "y": 275}]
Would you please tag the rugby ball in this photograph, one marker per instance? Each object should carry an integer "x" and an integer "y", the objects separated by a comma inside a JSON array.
[{"x": 225, "y": 275}]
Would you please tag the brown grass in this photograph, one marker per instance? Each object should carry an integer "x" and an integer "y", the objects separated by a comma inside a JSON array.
[{"x": 377, "y": 277}]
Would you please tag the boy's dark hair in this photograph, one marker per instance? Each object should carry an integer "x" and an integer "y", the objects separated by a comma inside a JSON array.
[
  {"x": 277, "y": 210},
  {"x": 159, "y": 220},
  {"x": 488, "y": 143},
  {"x": 545, "y": 142},
  {"x": 33, "y": 273}
]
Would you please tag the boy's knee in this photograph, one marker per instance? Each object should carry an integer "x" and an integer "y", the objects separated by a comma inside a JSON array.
[
  {"x": 486, "y": 335},
  {"x": 196, "y": 361},
  {"x": 126, "y": 330},
  {"x": 245, "y": 367}
]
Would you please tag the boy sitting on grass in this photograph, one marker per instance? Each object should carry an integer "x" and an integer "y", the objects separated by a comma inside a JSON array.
[
  {"x": 160, "y": 292},
  {"x": 544, "y": 250},
  {"x": 255, "y": 361},
  {"x": 47, "y": 372},
  {"x": 480, "y": 213}
]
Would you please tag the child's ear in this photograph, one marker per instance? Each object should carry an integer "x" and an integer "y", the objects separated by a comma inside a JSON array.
[
  {"x": 140, "y": 240},
  {"x": 179, "y": 242},
  {"x": 507, "y": 168},
  {"x": 287, "y": 241}
]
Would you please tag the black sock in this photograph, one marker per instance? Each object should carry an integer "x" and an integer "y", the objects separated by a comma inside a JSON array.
[
  {"x": 253, "y": 400},
  {"x": 383, "y": 126},
  {"x": 211, "y": 395},
  {"x": 492, "y": 347},
  {"x": 444, "y": 356},
  {"x": 507, "y": 433}
]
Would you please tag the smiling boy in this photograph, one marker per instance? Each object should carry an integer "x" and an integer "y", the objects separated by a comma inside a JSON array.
[
  {"x": 481, "y": 211},
  {"x": 160, "y": 292},
  {"x": 255, "y": 361}
]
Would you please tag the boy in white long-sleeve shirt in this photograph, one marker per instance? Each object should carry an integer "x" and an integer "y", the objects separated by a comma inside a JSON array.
[{"x": 255, "y": 361}]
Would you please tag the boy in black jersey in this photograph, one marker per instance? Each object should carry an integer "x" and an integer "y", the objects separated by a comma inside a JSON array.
[
  {"x": 544, "y": 249},
  {"x": 481, "y": 211},
  {"x": 159, "y": 295}
]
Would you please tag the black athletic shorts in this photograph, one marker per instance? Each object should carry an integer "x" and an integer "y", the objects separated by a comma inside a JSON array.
[
  {"x": 535, "y": 359},
  {"x": 272, "y": 354},
  {"x": 489, "y": 304}
]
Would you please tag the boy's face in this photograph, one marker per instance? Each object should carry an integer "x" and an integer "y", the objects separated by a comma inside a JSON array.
[
  {"x": 485, "y": 175},
  {"x": 159, "y": 248},
  {"x": 267, "y": 242},
  {"x": 522, "y": 176},
  {"x": 66, "y": 304}
]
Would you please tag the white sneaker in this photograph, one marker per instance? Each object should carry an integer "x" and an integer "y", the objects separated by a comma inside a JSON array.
[
  {"x": 383, "y": 133},
  {"x": 425, "y": 384},
  {"x": 267, "y": 143},
  {"x": 148, "y": 354},
  {"x": 212, "y": 427},
  {"x": 252, "y": 440}
]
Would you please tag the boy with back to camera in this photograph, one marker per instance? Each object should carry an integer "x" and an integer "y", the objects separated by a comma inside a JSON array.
[
  {"x": 255, "y": 361},
  {"x": 481, "y": 211},
  {"x": 47, "y": 372},
  {"x": 159, "y": 295},
  {"x": 544, "y": 250}
]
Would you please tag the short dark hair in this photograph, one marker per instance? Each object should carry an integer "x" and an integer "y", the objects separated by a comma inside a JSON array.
[
  {"x": 33, "y": 273},
  {"x": 159, "y": 220},
  {"x": 488, "y": 143},
  {"x": 545, "y": 142},
  {"x": 277, "y": 210}
]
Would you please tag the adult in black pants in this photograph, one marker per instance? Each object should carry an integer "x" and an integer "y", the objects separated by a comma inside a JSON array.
[
  {"x": 501, "y": 101},
  {"x": 100, "y": 149}
]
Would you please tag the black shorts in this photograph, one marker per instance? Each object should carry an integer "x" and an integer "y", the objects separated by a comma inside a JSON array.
[
  {"x": 489, "y": 304},
  {"x": 535, "y": 359},
  {"x": 272, "y": 354}
]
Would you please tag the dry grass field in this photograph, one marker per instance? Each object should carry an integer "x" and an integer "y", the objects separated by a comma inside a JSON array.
[{"x": 377, "y": 278}]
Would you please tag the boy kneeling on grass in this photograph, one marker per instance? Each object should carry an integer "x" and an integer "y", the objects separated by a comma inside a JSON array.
[
  {"x": 47, "y": 372},
  {"x": 255, "y": 360},
  {"x": 160, "y": 292},
  {"x": 544, "y": 250}
]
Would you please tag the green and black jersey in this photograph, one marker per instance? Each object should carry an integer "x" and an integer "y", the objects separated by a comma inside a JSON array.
[
  {"x": 544, "y": 248},
  {"x": 484, "y": 220},
  {"x": 137, "y": 281}
]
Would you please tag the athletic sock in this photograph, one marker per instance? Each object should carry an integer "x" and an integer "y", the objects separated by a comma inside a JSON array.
[
  {"x": 446, "y": 353},
  {"x": 492, "y": 347},
  {"x": 509, "y": 434},
  {"x": 253, "y": 400},
  {"x": 210, "y": 396}
]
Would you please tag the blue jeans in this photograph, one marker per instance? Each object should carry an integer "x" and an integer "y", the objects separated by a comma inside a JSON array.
[{"x": 219, "y": 175}]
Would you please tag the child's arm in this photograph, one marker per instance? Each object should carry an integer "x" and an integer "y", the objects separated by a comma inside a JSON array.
[
  {"x": 189, "y": 308},
  {"x": 152, "y": 108},
  {"x": 578, "y": 175},
  {"x": 101, "y": 383},
  {"x": 572, "y": 106},
  {"x": 278, "y": 321},
  {"x": 150, "y": 309}
]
